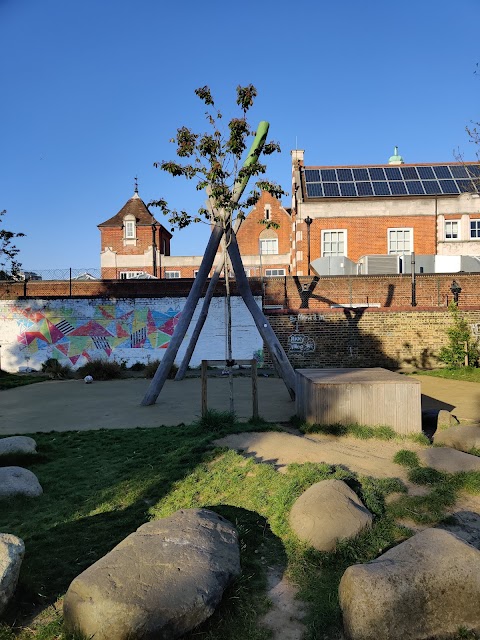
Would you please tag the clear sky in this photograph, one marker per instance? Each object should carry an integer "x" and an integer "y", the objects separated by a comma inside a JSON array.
[{"x": 92, "y": 91}]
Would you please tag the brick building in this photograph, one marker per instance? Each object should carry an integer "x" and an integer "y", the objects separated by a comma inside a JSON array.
[
  {"x": 350, "y": 216},
  {"x": 133, "y": 242}
]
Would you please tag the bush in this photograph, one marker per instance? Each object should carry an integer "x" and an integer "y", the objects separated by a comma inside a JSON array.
[
  {"x": 55, "y": 370},
  {"x": 460, "y": 343},
  {"x": 138, "y": 366},
  {"x": 152, "y": 367},
  {"x": 101, "y": 370}
]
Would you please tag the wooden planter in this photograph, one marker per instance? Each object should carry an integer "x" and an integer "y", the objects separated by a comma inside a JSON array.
[{"x": 365, "y": 396}]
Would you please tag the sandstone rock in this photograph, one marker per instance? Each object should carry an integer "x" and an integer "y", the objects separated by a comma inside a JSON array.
[
  {"x": 15, "y": 481},
  {"x": 161, "y": 581},
  {"x": 449, "y": 460},
  {"x": 12, "y": 551},
  {"x": 17, "y": 445},
  {"x": 326, "y": 512},
  {"x": 445, "y": 419},
  {"x": 426, "y": 587},
  {"x": 464, "y": 437}
]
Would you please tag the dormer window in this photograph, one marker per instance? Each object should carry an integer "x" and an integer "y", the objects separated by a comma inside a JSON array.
[{"x": 129, "y": 229}]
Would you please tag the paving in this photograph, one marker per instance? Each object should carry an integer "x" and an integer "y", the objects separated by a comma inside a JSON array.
[{"x": 74, "y": 405}]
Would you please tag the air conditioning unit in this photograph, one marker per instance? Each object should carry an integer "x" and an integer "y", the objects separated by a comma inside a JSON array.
[
  {"x": 378, "y": 265},
  {"x": 333, "y": 266}
]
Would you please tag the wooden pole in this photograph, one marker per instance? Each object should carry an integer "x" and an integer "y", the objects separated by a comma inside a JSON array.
[
  {"x": 168, "y": 359},
  {"x": 279, "y": 357},
  {"x": 204, "y": 387},
  {"x": 254, "y": 390}
]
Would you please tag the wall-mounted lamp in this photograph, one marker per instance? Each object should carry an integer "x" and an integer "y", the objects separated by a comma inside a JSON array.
[{"x": 456, "y": 290}]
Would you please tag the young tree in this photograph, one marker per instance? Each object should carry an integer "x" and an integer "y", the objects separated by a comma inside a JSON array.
[
  {"x": 9, "y": 265},
  {"x": 214, "y": 160}
]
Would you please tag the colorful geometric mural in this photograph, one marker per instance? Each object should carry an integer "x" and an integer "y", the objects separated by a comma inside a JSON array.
[{"x": 59, "y": 333}]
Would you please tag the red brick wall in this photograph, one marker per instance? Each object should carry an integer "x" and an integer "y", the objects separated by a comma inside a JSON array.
[
  {"x": 249, "y": 233},
  {"x": 366, "y": 236}
]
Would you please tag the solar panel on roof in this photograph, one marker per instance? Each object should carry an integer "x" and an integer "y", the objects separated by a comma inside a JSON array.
[
  {"x": 393, "y": 173},
  {"x": 409, "y": 173},
  {"x": 426, "y": 173},
  {"x": 348, "y": 189},
  {"x": 465, "y": 186},
  {"x": 328, "y": 175},
  {"x": 398, "y": 188},
  {"x": 331, "y": 189},
  {"x": 376, "y": 173},
  {"x": 312, "y": 175},
  {"x": 344, "y": 175},
  {"x": 381, "y": 188},
  {"x": 459, "y": 171},
  {"x": 414, "y": 188},
  {"x": 474, "y": 170},
  {"x": 448, "y": 186},
  {"x": 442, "y": 172},
  {"x": 314, "y": 190},
  {"x": 431, "y": 187},
  {"x": 361, "y": 174},
  {"x": 365, "y": 188}
]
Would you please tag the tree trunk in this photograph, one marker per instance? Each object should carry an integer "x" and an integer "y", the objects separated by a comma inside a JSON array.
[
  {"x": 168, "y": 359},
  {"x": 279, "y": 357}
]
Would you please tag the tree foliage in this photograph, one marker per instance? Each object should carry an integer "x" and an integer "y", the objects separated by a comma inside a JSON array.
[
  {"x": 9, "y": 265},
  {"x": 460, "y": 341},
  {"x": 213, "y": 159}
]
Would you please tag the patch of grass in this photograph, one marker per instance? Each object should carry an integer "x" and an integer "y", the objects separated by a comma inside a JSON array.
[
  {"x": 101, "y": 370},
  {"x": 419, "y": 438},
  {"x": 468, "y": 374},
  {"x": 360, "y": 431},
  {"x": 406, "y": 458},
  {"x": 57, "y": 371},
  {"x": 425, "y": 476},
  {"x": 12, "y": 380},
  {"x": 474, "y": 451},
  {"x": 217, "y": 421},
  {"x": 151, "y": 368},
  {"x": 138, "y": 366}
]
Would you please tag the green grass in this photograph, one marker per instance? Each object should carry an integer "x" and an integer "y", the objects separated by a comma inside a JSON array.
[
  {"x": 361, "y": 431},
  {"x": 468, "y": 374},
  {"x": 11, "y": 380},
  {"x": 99, "y": 486}
]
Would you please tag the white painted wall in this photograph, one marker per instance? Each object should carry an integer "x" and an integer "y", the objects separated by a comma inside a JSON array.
[{"x": 133, "y": 330}]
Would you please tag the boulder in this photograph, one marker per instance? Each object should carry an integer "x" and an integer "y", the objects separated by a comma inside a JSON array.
[
  {"x": 426, "y": 587},
  {"x": 12, "y": 551},
  {"x": 445, "y": 420},
  {"x": 464, "y": 437},
  {"x": 15, "y": 481},
  {"x": 160, "y": 582},
  {"x": 326, "y": 512},
  {"x": 14, "y": 445},
  {"x": 449, "y": 460}
]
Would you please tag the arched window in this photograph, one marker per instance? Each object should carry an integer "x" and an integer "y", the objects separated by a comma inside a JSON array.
[{"x": 268, "y": 242}]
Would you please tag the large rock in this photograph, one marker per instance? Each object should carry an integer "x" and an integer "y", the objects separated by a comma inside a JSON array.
[
  {"x": 12, "y": 551},
  {"x": 426, "y": 587},
  {"x": 15, "y": 481},
  {"x": 327, "y": 512},
  {"x": 160, "y": 582},
  {"x": 464, "y": 437},
  {"x": 14, "y": 445},
  {"x": 449, "y": 460}
]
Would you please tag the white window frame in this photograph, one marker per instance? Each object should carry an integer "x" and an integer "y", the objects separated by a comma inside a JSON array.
[
  {"x": 476, "y": 222},
  {"x": 128, "y": 275},
  {"x": 327, "y": 254},
  {"x": 401, "y": 252},
  {"x": 195, "y": 273},
  {"x": 452, "y": 229},
  {"x": 279, "y": 273},
  {"x": 172, "y": 275},
  {"x": 274, "y": 243}
]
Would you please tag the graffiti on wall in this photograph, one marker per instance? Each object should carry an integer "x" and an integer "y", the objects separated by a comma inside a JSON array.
[
  {"x": 61, "y": 334},
  {"x": 299, "y": 343}
]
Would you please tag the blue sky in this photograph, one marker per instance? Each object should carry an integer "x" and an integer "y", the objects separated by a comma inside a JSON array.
[{"x": 93, "y": 90}]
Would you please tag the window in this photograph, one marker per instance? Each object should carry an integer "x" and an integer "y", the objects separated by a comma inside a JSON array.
[
  {"x": 172, "y": 274},
  {"x": 195, "y": 273},
  {"x": 268, "y": 246},
  {"x": 127, "y": 275},
  {"x": 400, "y": 241},
  {"x": 129, "y": 229},
  {"x": 272, "y": 273},
  {"x": 334, "y": 242},
  {"x": 475, "y": 229},
  {"x": 451, "y": 230},
  {"x": 267, "y": 212}
]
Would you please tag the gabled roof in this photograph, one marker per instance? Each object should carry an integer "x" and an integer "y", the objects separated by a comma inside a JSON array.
[{"x": 137, "y": 208}]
